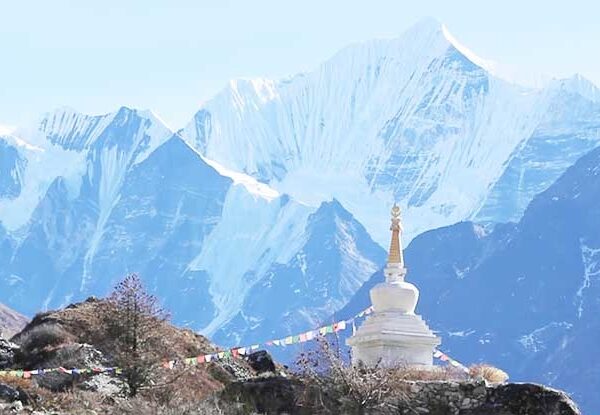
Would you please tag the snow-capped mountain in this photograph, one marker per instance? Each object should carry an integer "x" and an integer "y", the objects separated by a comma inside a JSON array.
[
  {"x": 134, "y": 197},
  {"x": 417, "y": 119},
  {"x": 524, "y": 296},
  {"x": 277, "y": 190}
]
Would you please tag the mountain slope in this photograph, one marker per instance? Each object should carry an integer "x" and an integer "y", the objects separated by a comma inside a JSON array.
[
  {"x": 336, "y": 258},
  {"x": 11, "y": 322},
  {"x": 524, "y": 296},
  {"x": 203, "y": 237},
  {"x": 412, "y": 119}
]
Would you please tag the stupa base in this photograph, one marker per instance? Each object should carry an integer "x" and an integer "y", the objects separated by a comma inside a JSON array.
[{"x": 392, "y": 339}]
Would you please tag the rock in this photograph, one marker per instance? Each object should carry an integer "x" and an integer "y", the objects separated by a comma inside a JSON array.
[
  {"x": 16, "y": 406},
  {"x": 74, "y": 355},
  {"x": 261, "y": 362},
  {"x": 533, "y": 399},
  {"x": 282, "y": 395},
  {"x": 270, "y": 395},
  {"x": 7, "y": 353},
  {"x": 104, "y": 384},
  {"x": 8, "y": 393}
]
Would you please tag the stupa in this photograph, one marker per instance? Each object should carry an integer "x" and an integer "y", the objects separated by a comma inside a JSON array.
[{"x": 393, "y": 334}]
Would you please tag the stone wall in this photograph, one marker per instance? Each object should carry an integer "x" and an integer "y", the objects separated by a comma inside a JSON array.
[
  {"x": 276, "y": 395},
  {"x": 475, "y": 398}
]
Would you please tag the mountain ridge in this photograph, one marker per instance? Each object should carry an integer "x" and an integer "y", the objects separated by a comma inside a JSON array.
[
  {"x": 407, "y": 119},
  {"x": 11, "y": 322}
]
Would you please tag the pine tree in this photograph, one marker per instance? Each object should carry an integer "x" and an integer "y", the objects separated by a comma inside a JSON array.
[{"x": 134, "y": 321}]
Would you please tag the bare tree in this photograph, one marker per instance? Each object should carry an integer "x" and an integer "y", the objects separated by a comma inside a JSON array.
[{"x": 133, "y": 322}]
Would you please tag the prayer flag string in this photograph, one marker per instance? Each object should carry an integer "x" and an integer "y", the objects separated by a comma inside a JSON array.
[{"x": 227, "y": 354}]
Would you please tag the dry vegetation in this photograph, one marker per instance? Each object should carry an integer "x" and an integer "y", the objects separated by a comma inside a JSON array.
[
  {"x": 128, "y": 330},
  {"x": 489, "y": 373},
  {"x": 335, "y": 386}
]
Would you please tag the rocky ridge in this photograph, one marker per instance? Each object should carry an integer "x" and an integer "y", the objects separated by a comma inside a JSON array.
[{"x": 11, "y": 322}]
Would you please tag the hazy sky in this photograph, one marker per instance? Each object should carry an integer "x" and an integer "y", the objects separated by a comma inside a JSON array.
[{"x": 169, "y": 56}]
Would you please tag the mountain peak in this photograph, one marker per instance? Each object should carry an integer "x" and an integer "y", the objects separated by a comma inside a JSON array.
[
  {"x": 580, "y": 85},
  {"x": 486, "y": 64},
  {"x": 427, "y": 24}
]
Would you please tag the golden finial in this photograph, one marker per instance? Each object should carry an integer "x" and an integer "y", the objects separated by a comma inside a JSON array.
[{"x": 395, "y": 255}]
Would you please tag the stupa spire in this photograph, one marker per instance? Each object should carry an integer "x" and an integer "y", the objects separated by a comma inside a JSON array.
[{"x": 396, "y": 256}]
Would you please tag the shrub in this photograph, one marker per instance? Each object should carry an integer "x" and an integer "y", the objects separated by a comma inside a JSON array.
[
  {"x": 43, "y": 336},
  {"x": 489, "y": 373},
  {"x": 334, "y": 385}
]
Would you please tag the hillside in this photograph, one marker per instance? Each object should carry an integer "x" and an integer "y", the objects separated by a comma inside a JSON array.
[
  {"x": 79, "y": 377},
  {"x": 11, "y": 322}
]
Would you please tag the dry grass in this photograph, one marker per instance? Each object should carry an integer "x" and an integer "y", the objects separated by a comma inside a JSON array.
[
  {"x": 83, "y": 319},
  {"x": 437, "y": 373},
  {"x": 55, "y": 336},
  {"x": 187, "y": 391},
  {"x": 489, "y": 373}
]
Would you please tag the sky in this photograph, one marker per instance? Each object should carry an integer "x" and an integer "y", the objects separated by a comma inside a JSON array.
[{"x": 171, "y": 56}]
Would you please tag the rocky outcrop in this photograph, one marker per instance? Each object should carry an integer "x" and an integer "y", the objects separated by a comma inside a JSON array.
[
  {"x": 475, "y": 398},
  {"x": 7, "y": 353},
  {"x": 275, "y": 395},
  {"x": 261, "y": 362}
]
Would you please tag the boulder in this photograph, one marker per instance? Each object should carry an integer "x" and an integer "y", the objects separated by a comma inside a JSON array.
[
  {"x": 7, "y": 353},
  {"x": 261, "y": 362},
  {"x": 8, "y": 393}
]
